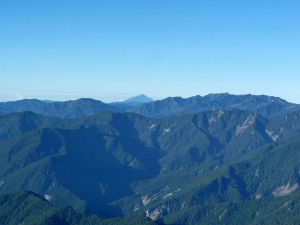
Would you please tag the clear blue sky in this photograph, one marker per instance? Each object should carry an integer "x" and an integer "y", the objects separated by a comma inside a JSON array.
[{"x": 114, "y": 49}]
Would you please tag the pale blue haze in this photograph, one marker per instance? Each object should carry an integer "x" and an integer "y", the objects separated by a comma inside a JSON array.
[{"x": 111, "y": 50}]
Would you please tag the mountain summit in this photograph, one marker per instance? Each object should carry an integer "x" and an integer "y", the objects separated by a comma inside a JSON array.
[{"x": 138, "y": 99}]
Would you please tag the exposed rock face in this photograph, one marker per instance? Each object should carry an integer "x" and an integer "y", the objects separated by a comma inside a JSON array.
[
  {"x": 271, "y": 135},
  {"x": 247, "y": 123},
  {"x": 156, "y": 214},
  {"x": 285, "y": 190}
]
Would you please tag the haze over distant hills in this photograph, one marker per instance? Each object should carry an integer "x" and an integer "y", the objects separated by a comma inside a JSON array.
[
  {"x": 267, "y": 106},
  {"x": 216, "y": 159}
]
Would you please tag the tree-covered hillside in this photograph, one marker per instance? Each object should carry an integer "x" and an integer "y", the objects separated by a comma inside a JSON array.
[
  {"x": 31, "y": 209},
  {"x": 194, "y": 166}
]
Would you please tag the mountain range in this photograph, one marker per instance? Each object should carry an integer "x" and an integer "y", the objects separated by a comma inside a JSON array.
[
  {"x": 217, "y": 159},
  {"x": 266, "y": 106}
]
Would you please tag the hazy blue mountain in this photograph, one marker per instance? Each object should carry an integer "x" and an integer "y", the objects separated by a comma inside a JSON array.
[
  {"x": 129, "y": 104},
  {"x": 138, "y": 99},
  {"x": 266, "y": 106},
  {"x": 115, "y": 164}
]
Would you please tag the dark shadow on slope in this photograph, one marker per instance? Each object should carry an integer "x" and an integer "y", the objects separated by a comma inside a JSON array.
[
  {"x": 130, "y": 140},
  {"x": 196, "y": 155},
  {"x": 99, "y": 174},
  {"x": 215, "y": 146},
  {"x": 241, "y": 186}
]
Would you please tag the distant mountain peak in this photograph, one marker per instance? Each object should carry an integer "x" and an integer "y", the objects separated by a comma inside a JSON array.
[{"x": 139, "y": 99}]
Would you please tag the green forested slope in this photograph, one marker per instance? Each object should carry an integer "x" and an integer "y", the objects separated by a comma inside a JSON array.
[
  {"x": 30, "y": 209},
  {"x": 120, "y": 164}
]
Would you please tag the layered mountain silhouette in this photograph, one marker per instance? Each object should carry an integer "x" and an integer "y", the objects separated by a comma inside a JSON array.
[
  {"x": 266, "y": 106},
  {"x": 229, "y": 160}
]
